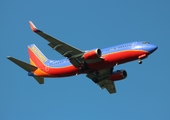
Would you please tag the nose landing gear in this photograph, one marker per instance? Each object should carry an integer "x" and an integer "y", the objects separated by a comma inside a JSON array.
[
  {"x": 139, "y": 61},
  {"x": 141, "y": 57}
]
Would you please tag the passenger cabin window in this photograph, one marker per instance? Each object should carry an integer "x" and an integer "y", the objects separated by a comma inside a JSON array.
[{"x": 145, "y": 42}]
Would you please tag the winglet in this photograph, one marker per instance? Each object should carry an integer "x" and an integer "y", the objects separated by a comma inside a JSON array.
[
  {"x": 34, "y": 29},
  {"x": 8, "y": 57}
]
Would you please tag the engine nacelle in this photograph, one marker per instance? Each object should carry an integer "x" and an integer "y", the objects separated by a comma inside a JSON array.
[
  {"x": 118, "y": 75},
  {"x": 93, "y": 54}
]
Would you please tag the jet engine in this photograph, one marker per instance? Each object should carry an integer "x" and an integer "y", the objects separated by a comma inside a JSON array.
[
  {"x": 118, "y": 75},
  {"x": 93, "y": 54}
]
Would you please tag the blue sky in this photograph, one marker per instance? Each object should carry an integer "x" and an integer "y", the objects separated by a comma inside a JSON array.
[{"x": 143, "y": 95}]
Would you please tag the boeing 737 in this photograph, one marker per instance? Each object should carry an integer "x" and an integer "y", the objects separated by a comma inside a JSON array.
[{"x": 97, "y": 64}]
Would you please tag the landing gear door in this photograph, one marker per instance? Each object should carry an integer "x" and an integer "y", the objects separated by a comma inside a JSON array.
[{"x": 133, "y": 45}]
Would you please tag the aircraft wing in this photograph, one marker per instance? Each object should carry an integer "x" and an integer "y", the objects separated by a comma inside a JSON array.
[
  {"x": 64, "y": 49},
  {"x": 108, "y": 84},
  {"x": 102, "y": 79}
]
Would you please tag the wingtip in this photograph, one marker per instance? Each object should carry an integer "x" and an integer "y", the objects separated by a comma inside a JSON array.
[
  {"x": 8, "y": 57},
  {"x": 33, "y": 27}
]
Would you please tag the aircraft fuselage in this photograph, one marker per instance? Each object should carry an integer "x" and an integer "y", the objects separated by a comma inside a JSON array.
[{"x": 112, "y": 56}]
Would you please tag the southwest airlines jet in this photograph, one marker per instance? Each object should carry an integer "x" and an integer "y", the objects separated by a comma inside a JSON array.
[{"x": 97, "y": 64}]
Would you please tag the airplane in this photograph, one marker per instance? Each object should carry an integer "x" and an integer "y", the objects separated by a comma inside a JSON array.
[{"x": 97, "y": 64}]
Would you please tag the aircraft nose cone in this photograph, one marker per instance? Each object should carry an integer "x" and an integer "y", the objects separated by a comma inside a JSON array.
[
  {"x": 155, "y": 47},
  {"x": 151, "y": 48}
]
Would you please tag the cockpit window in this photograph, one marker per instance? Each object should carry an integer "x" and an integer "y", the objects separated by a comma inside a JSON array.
[{"x": 145, "y": 42}]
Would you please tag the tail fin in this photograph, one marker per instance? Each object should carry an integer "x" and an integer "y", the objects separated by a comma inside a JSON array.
[{"x": 37, "y": 58}]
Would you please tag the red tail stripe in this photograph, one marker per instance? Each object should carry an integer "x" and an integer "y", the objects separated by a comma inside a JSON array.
[{"x": 35, "y": 59}]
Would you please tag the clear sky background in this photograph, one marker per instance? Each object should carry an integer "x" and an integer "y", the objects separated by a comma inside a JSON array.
[{"x": 143, "y": 95}]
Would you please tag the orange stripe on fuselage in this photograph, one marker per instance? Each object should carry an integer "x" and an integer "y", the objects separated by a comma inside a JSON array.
[{"x": 38, "y": 72}]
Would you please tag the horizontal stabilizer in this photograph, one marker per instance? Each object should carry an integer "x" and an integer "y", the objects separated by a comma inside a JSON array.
[
  {"x": 22, "y": 64},
  {"x": 40, "y": 80}
]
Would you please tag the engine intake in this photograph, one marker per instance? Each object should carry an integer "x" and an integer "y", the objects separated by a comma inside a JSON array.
[
  {"x": 93, "y": 54},
  {"x": 118, "y": 75}
]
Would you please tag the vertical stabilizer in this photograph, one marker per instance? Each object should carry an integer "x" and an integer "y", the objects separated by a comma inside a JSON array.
[{"x": 37, "y": 58}]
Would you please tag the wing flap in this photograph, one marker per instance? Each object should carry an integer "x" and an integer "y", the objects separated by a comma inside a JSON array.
[{"x": 62, "y": 47}]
